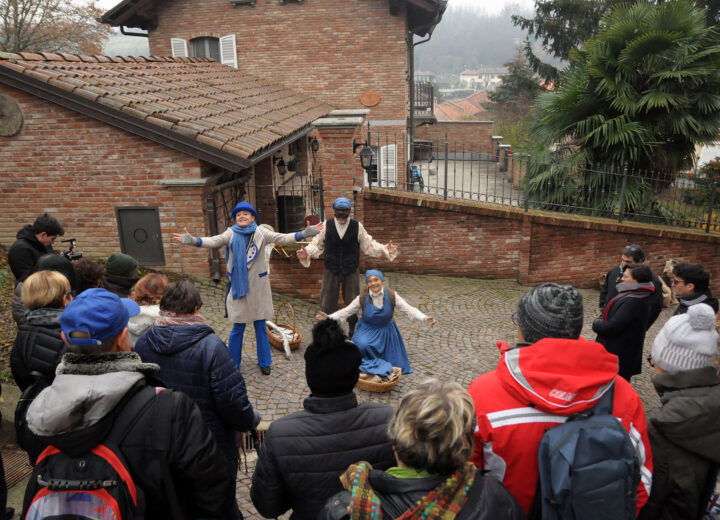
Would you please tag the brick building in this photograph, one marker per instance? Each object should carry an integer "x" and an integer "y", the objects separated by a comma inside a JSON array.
[
  {"x": 353, "y": 54},
  {"x": 126, "y": 151}
]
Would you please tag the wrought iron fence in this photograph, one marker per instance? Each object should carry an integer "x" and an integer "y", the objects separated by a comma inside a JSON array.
[{"x": 479, "y": 172}]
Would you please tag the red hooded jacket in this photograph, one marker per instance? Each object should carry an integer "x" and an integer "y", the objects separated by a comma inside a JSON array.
[{"x": 536, "y": 387}]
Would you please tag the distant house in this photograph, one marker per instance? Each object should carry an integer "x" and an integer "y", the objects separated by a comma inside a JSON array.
[
  {"x": 486, "y": 78},
  {"x": 126, "y": 151},
  {"x": 425, "y": 75}
]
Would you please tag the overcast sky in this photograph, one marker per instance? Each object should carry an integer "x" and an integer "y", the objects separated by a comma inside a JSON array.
[{"x": 489, "y": 6}]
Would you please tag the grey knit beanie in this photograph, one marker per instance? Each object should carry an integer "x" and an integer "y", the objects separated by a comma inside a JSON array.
[
  {"x": 687, "y": 341},
  {"x": 550, "y": 311}
]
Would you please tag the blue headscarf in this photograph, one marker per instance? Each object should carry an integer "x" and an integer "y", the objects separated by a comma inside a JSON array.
[
  {"x": 374, "y": 272},
  {"x": 239, "y": 244}
]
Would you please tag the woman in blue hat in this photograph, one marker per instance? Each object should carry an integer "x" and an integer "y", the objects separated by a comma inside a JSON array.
[
  {"x": 249, "y": 299},
  {"x": 376, "y": 334}
]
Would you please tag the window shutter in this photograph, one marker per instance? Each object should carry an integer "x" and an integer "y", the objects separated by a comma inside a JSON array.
[
  {"x": 179, "y": 47},
  {"x": 228, "y": 51},
  {"x": 387, "y": 166}
]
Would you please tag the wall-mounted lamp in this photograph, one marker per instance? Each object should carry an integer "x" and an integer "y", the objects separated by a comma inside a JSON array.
[
  {"x": 366, "y": 154},
  {"x": 280, "y": 165},
  {"x": 292, "y": 165},
  {"x": 314, "y": 145}
]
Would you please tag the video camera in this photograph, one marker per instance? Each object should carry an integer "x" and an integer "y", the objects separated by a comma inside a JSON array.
[{"x": 70, "y": 252}]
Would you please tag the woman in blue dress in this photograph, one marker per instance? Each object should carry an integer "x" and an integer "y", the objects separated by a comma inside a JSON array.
[{"x": 376, "y": 334}]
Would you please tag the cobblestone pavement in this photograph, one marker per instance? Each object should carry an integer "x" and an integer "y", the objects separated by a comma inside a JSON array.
[{"x": 472, "y": 314}]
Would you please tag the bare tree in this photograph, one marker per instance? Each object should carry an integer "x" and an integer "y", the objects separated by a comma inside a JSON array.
[{"x": 51, "y": 26}]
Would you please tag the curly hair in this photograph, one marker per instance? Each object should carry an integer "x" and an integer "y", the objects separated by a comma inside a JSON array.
[
  {"x": 433, "y": 427},
  {"x": 149, "y": 289}
]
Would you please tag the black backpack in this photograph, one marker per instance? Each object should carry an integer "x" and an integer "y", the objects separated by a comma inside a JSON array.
[{"x": 96, "y": 484}]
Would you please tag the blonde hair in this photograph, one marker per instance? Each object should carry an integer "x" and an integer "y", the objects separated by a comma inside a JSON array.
[
  {"x": 45, "y": 289},
  {"x": 433, "y": 427}
]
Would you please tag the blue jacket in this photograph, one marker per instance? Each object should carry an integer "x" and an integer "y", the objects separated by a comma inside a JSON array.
[{"x": 195, "y": 361}]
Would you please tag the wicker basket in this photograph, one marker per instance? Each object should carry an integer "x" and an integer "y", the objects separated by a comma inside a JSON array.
[
  {"x": 275, "y": 339},
  {"x": 380, "y": 386}
]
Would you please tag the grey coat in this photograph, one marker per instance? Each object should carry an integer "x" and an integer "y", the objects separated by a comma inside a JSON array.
[{"x": 257, "y": 304}]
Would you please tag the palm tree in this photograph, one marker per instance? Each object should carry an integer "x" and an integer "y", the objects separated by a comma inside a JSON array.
[{"x": 639, "y": 95}]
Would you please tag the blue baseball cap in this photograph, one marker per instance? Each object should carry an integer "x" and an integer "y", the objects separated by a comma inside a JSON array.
[
  {"x": 342, "y": 203},
  {"x": 99, "y": 313},
  {"x": 244, "y": 206}
]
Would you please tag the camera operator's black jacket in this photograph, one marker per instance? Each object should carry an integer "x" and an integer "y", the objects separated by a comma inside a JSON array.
[{"x": 24, "y": 253}]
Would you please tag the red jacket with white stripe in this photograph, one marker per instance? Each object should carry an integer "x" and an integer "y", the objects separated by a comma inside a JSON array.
[{"x": 538, "y": 386}]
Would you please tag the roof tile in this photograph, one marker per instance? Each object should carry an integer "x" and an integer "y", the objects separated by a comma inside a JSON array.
[{"x": 195, "y": 97}]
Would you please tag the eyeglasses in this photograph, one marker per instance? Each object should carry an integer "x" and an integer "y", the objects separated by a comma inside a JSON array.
[{"x": 676, "y": 281}]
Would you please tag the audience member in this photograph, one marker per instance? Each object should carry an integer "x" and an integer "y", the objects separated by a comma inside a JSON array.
[
  {"x": 147, "y": 293},
  {"x": 38, "y": 346},
  {"x": 195, "y": 361},
  {"x": 691, "y": 283},
  {"x": 432, "y": 436},
  {"x": 48, "y": 262},
  {"x": 633, "y": 254},
  {"x": 621, "y": 329},
  {"x": 684, "y": 431},
  {"x": 305, "y": 452},
  {"x": 121, "y": 273},
  {"x": 549, "y": 375},
  {"x": 89, "y": 274},
  {"x": 32, "y": 242},
  {"x": 97, "y": 378}
]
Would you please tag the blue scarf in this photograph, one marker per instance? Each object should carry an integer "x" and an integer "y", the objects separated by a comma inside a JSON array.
[{"x": 239, "y": 274}]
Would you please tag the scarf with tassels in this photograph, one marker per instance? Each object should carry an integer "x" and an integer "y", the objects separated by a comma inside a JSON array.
[
  {"x": 238, "y": 272},
  {"x": 442, "y": 503}
]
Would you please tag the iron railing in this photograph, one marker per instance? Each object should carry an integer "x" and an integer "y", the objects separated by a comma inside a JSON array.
[
  {"x": 477, "y": 172},
  {"x": 424, "y": 99}
]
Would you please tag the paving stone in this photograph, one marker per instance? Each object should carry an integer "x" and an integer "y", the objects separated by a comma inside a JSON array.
[{"x": 472, "y": 315}]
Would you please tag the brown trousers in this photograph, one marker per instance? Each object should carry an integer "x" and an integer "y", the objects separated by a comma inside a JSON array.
[{"x": 332, "y": 284}]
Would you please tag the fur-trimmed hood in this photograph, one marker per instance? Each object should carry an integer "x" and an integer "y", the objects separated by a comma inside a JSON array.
[{"x": 86, "y": 389}]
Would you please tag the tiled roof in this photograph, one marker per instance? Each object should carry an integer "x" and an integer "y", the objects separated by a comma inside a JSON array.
[
  {"x": 197, "y": 98},
  {"x": 460, "y": 109}
]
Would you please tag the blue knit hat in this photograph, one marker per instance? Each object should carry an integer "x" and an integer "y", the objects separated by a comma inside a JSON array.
[
  {"x": 342, "y": 203},
  {"x": 244, "y": 206},
  {"x": 374, "y": 272}
]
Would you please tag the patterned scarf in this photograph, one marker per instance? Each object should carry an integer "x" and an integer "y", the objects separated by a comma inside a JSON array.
[
  {"x": 239, "y": 273},
  {"x": 168, "y": 318},
  {"x": 442, "y": 503}
]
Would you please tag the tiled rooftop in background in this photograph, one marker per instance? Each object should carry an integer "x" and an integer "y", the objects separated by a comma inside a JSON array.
[{"x": 196, "y": 97}]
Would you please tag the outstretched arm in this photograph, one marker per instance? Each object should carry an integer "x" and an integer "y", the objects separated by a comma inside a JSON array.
[
  {"x": 375, "y": 249},
  {"x": 314, "y": 249}
]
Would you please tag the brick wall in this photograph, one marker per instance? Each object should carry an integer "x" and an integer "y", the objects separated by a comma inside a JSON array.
[
  {"x": 474, "y": 135},
  {"x": 466, "y": 239},
  {"x": 333, "y": 50},
  {"x": 80, "y": 169}
]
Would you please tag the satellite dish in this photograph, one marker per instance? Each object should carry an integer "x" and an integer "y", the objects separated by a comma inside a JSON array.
[{"x": 11, "y": 118}]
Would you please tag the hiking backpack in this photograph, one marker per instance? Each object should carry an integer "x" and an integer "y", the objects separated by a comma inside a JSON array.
[
  {"x": 96, "y": 484},
  {"x": 588, "y": 468}
]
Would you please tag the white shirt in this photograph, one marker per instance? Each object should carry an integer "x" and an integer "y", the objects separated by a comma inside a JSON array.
[
  {"x": 368, "y": 246},
  {"x": 378, "y": 300}
]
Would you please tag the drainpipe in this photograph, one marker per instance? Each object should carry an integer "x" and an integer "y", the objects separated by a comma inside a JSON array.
[{"x": 142, "y": 35}]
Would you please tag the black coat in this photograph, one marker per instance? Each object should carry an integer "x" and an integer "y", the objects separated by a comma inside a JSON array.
[
  {"x": 38, "y": 347},
  {"x": 195, "y": 361},
  {"x": 305, "y": 453},
  {"x": 197, "y": 466},
  {"x": 24, "y": 253},
  {"x": 685, "y": 437},
  {"x": 487, "y": 499},
  {"x": 622, "y": 332},
  {"x": 120, "y": 285},
  {"x": 609, "y": 291}
]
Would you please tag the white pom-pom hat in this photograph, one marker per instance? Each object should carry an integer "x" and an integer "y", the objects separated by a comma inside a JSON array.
[{"x": 687, "y": 341}]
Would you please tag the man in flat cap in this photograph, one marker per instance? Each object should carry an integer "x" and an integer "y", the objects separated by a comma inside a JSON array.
[{"x": 341, "y": 242}]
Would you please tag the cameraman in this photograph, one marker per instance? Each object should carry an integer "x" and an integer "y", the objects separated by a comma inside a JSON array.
[{"x": 32, "y": 242}]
